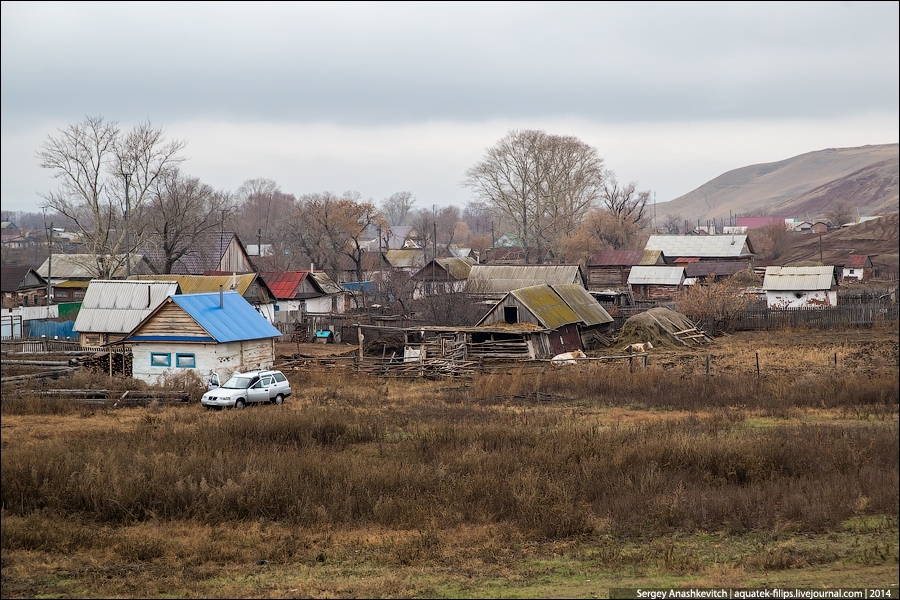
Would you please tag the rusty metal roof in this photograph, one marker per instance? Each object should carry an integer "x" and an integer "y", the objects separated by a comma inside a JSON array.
[
  {"x": 798, "y": 278},
  {"x": 857, "y": 261},
  {"x": 617, "y": 258}
]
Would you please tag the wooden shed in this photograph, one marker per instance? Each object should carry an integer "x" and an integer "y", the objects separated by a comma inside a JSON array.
[
  {"x": 111, "y": 309},
  {"x": 203, "y": 333}
]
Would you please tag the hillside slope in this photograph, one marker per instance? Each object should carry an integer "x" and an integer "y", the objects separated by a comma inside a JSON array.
[
  {"x": 804, "y": 186},
  {"x": 879, "y": 238}
]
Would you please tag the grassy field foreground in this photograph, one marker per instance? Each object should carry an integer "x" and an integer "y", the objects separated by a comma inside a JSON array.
[{"x": 362, "y": 487}]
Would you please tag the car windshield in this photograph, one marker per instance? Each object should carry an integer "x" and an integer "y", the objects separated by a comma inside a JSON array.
[{"x": 237, "y": 383}]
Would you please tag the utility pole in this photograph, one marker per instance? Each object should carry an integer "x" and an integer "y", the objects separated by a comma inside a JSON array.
[
  {"x": 127, "y": 231},
  {"x": 49, "y": 264}
]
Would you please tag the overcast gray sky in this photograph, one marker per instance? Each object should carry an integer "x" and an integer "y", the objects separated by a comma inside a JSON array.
[{"x": 385, "y": 97}]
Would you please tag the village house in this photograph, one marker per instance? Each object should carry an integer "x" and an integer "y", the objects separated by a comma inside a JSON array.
[
  {"x": 201, "y": 333},
  {"x": 702, "y": 247},
  {"x": 22, "y": 286},
  {"x": 216, "y": 251},
  {"x": 800, "y": 287},
  {"x": 858, "y": 267},
  {"x": 442, "y": 276},
  {"x": 70, "y": 274},
  {"x": 492, "y": 282},
  {"x": 111, "y": 309},
  {"x": 656, "y": 283},
  {"x": 609, "y": 269},
  {"x": 301, "y": 293},
  {"x": 250, "y": 286},
  {"x": 567, "y": 311}
]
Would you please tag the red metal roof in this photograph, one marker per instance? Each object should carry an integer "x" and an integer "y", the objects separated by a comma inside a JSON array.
[
  {"x": 686, "y": 259},
  {"x": 754, "y": 222},
  {"x": 856, "y": 261},
  {"x": 284, "y": 285}
]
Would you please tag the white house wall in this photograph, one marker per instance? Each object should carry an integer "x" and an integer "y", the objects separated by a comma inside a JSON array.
[
  {"x": 223, "y": 359},
  {"x": 784, "y": 299}
]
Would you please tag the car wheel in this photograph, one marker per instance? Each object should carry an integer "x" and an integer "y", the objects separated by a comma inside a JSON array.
[
  {"x": 279, "y": 399},
  {"x": 239, "y": 403}
]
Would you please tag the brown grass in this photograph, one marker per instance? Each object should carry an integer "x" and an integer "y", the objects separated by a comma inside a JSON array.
[{"x": 387, "y": 474}]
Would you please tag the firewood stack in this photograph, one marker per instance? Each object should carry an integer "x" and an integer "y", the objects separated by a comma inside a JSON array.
[{"x": 108, "y": 363}]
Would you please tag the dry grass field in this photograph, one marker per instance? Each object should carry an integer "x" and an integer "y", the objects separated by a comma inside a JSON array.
[{"x": 555, "y": 482}]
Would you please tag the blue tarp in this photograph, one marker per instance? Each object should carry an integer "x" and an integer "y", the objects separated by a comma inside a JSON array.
[{"x": 366, "y": 287}]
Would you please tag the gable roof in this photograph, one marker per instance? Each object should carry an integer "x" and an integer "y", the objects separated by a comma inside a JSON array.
[
  {"x": 236, "y": 319},
  {"x": 583, "y": 303},
  {"x": 798, "y": 278},
  {"x": 642, "y": 275},
  {"x": 557, "y": 305},
  {"x": 206, "y": 254},
  {"x": 500, "y": 279},
  {"x": 199, "y": 284},
  {"x": 703, "y": 246},
  {"x": 858, "y": 261},
  {"x": 326, "y": 283},
  {"x": 83, "y": 266},
  {"x": 119, "y": 306},
  {"x": 15, "y": 277},
  {"x": 287, "y": 285},
  {"x": 457, "y": 268},
  {"x": 405, "y": 259}
]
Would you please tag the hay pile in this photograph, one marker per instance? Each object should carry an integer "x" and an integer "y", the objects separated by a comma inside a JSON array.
[{"x": 655, "y": 326}]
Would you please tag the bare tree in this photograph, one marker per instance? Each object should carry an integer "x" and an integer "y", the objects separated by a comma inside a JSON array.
[
  {"x": 329, "y": 227},
  {"x": 262, "y": 210},
  {"x": 840, "y": 213},
  {"x": 627, "y": 209},
  {"x": 396, "y": 209},
  {"x": 672, "y": 224},
  {"x": 105, "y": 177},
  {"x": 544, "y": 184},
  {"x": 180, "y": 213},
  {"x": 771, "y": 241}
]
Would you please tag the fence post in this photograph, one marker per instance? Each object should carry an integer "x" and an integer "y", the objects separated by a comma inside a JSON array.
[
  {"x": 707, "y": 365},
  {"x": 757, "y": 365}
]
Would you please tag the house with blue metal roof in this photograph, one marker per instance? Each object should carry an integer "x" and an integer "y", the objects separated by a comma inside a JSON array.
[{"x": 213, "y": 332}]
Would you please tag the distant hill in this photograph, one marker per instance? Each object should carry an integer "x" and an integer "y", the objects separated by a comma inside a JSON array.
[
  {"x": 879, "y": 238},
  {"x": 805, "y": 186}
]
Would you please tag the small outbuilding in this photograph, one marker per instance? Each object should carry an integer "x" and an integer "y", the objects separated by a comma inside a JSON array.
[
  {"x": 656, "y": 283},
  {"x": 800, "y": 287},
  {"x": 201, "y": 333},
  {"x": 858, "y": 268},
  {"x": 111, "y": 309}
]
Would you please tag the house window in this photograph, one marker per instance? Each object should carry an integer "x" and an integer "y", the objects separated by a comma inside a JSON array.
[
  {"x": 851, "y": 271},
  {"x": 160, "y": 359},
  {"x": 185, "y": 361}
]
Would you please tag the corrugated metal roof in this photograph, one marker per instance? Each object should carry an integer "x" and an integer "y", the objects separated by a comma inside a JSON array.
[
  {"x": 237, "y": 319},
  {"x": 284, "y": 285},
  {"x": 704, "y": 246},
  {"x": 501, "y": 279},
  {"x": 405, "y": 259},
  {"x": 200, "y": 284},
  {"x": 326, "y": 283},
  {"x": 549, "y": 308},
  {"x": 82, "y": 266},
  {"x": 661, "y": 275},
  {"x": 857, "y": 261},
  {"x": 585, "y": 306},
  {"x": 798, "y": 278},
  {"x": 459, "y": 268},
  {"x": 119, "y": 306}
]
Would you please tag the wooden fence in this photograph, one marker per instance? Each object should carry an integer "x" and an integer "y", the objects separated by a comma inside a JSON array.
[{"x": 859, "y": 315}]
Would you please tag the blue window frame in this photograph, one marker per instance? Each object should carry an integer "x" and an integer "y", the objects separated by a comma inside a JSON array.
[
  {"x": 185, "y": 361},
  {"x": 160, "y": 359}
]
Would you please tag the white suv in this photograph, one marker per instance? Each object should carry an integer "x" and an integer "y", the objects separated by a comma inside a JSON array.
[{"x": 241, "y": 389}]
